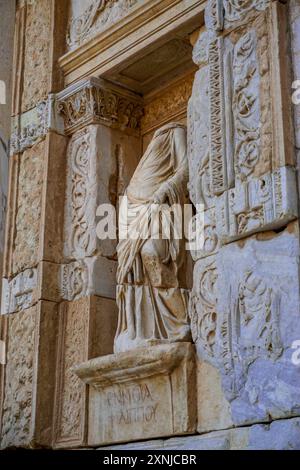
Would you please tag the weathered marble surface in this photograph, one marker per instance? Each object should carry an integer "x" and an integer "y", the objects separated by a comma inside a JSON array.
[
  {"x": 90, "y": 17},
  {"x": 86, "y": 330},
  {"x": 245, "y": 305},
  {"x": 6, "y": 49},
  {"x": 31, "y": 166},
  {"x": 244, "y": 319},
  {"x": 142, "y": 393},
  {"x": 28, "y": 387},
  {"x": 152, "y": 297},
  {"x": 278, "y": 435},
  {"x": 37, "y": 66}
]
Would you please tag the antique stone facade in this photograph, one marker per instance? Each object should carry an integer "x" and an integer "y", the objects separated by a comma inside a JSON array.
[{"x": 92, "y": 83}]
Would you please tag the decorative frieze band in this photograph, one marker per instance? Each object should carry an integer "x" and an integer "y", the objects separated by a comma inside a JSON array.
[
  {"x": 99, "y": 15},
  {"x": 236, "y": 10},
  {"x": 95, "y": 101},
  {"x": 31, "y": 126}
]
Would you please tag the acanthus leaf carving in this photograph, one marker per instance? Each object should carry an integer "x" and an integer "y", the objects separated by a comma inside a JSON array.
[
  {"x": 94, "y": 101},
  {"x": 246, "y": 105},
  {"x": 237, "y": 9},
  {"x": 96, "y": 16},
  {"x": 202, "y": 309}
]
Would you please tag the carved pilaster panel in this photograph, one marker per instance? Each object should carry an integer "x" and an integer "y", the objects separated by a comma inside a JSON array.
[
  {"x": 28, "y": 384},
  {"x": 28, "y": 190},
  {"x": 257, "y": 205},
  {"x": 86, "y": 330},
  {"x": 203, "y": 308},
  {"x": 259, "y": 304},
  {"x": 217, "y": 162},
  {"x": 82, "y": 191},
  {"x": 36, "y": 53}
]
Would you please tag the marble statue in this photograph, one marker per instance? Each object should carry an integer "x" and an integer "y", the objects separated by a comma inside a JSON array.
[{"x": 151, "y": 293}]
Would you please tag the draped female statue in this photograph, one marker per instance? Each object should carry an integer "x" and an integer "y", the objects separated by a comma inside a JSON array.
[{"x": 151, "y": 291}]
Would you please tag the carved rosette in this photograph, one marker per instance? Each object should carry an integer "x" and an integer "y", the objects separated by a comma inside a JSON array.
[{"x": 93, "y": 101}]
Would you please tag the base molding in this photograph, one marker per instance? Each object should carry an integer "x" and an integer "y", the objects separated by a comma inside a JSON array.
[
  {"x": 282, "y": 434},
  {"x": 140, "y": 394}
]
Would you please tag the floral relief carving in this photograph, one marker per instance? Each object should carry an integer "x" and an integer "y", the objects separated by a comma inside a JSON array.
[
  {"x": 238, "y": 9},
  {"x": 217, "y": 141},
  {"x": 74, "y": 280},
  {"x": 246, "y": 105},
  {"x": 80, "y": 234},
  {"x": 81, "y": 240},
  {"x": 95, "y": 103},
  {"x": 96, "y": 17},
  {"x": 172, "y": 104},
  {"x": 202, "y": 309}
]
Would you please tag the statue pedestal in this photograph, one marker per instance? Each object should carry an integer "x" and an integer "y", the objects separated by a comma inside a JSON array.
[{"x": 141, "y": 394}]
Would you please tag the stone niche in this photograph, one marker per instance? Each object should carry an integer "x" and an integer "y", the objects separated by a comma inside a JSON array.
[{"x": 145, "y": 393}]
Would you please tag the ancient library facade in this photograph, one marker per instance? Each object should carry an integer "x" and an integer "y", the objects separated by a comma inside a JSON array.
[{"x": 121, "y": 120}]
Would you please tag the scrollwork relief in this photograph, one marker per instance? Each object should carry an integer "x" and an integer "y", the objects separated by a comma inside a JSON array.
[
  {"x": 246, "y": 105},
  {"x": 202, "y": 309},
  {"x": 237, "y": 9},
  {"x": 217, "y": 143},
  {"x": 74, "y": 280},
  {"x": 70, "y": 403},
  {"x": 98, "y": 15},
  {"x": 82, "y": 241}
]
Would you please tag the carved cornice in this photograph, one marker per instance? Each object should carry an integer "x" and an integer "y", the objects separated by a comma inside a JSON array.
[
  {"x": 116, "y": 42},
  {"x": 95, "y": 101}
]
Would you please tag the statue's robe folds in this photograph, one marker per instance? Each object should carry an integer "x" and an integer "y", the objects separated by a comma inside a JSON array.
[{"x": 151, "y": 297}]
